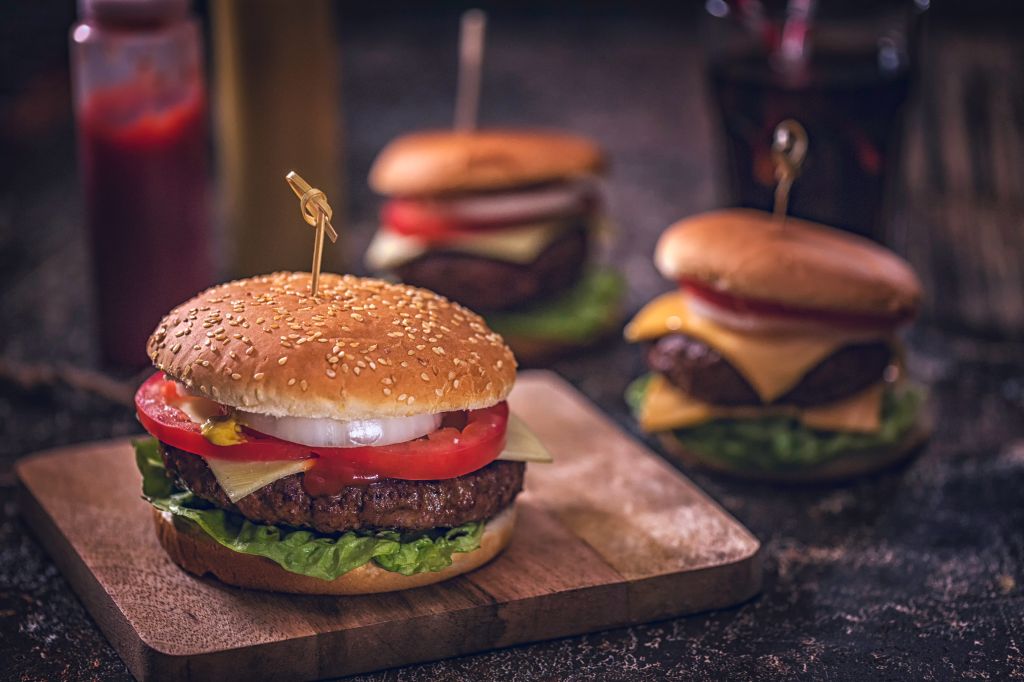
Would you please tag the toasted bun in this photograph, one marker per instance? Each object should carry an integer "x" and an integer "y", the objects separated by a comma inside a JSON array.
[
  {"x": 803, "y": 264},
  {"x": 363, "y": 348},
  {"x": 442, "y": 162},
  {"x": 845, "y": 467},
  {"x": 197, "y": 553}
]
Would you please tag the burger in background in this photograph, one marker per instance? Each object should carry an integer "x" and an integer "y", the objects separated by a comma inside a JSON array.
[
  {"x": 504, "y": 222},
  {"x": 778, "y": 357},
  {"x": 354, "y": 442}
]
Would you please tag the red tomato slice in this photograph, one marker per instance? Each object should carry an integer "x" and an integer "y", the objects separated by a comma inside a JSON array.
[
  {"x": 749, "y": 306},
  {"x": 420, "y": 219},
  {"x": 454, "y": 450}
]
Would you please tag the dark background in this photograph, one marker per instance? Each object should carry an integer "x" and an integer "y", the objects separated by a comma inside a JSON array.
[{"x": 915, "y": 573}]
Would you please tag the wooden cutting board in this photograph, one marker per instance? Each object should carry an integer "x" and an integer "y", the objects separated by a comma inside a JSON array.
[{"x": 608, "y": 535}]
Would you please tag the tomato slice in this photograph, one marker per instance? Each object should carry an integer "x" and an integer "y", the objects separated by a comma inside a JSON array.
[
  {"x": 751, "y": 306},
  {"x": 413, "y": 218},
  {"x": 167, "y": 423},
  {"x": 466, "y": 442}
]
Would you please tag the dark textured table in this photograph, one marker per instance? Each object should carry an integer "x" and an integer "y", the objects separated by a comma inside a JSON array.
[{"x": 912, "y": 574}]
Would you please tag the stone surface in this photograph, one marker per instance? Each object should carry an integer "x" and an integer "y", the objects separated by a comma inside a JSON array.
[{"x": 913, "y": 574}]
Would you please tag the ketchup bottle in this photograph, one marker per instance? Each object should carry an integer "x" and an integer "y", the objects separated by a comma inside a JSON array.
[{"x": 140, "y": 106}]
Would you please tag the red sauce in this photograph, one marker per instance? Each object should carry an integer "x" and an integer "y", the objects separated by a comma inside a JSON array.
[
  {"x": 331, "y": 474},
  {"x": 145, "y": 173},
  {"x": 750, "y": 306}
]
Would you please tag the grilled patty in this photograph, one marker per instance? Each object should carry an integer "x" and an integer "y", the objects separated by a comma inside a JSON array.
[
  {"x": 702, "y": 372},
  {"x": 484, "y": 284},
  {"x": 406, "y": 506}
]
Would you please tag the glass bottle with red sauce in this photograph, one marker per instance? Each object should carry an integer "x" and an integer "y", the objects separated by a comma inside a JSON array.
[{"x": 140, "y": 106}]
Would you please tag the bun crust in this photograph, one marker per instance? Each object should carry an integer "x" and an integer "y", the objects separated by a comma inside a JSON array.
[
  {"x": 803, "y": 264},
  {"x": 441, "y": 162},
  {"x": 362, "y": 349},
  {"x": 192, "y": 550},
  {"x": 843, "y": 468}
]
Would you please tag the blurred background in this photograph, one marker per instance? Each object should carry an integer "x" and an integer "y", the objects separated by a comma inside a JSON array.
[{"x": 915, "y": 111}]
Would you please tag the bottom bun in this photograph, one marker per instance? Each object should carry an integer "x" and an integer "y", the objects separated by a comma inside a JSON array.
[
  {"x": 847, "y": 466},
  {"x": 197, "y": 553}
]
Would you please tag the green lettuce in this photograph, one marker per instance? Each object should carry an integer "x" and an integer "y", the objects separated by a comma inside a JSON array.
[
  {"x": 780, "y": 443},
  {"x": 318, "y": 555},
  {"x": 576, "y": 316}
]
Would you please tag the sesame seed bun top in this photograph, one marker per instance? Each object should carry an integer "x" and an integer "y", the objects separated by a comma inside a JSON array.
[
  {"x": 448, "y": 162},
  {"x": 363, "y": 348},
  {"x": 802, "y": 264}
]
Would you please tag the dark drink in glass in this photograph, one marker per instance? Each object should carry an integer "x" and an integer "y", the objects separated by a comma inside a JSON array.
[{"x": 847, "y": 86}]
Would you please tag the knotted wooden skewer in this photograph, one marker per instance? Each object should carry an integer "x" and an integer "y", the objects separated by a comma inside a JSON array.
[
  {"x": 789, "y": 149},
  {"x": 316, "y": 212}
]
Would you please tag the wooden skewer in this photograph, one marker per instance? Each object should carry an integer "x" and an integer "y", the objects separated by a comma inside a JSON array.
[
  {"x": 316, "y": 212},
  {"x": 471, "y": 57}
]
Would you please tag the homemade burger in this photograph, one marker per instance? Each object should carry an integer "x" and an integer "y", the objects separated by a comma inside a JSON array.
[
  {"x": 777, "y": 357},
  {"x": 350, "y": 443},
  {"x": 505, "y": 222}
]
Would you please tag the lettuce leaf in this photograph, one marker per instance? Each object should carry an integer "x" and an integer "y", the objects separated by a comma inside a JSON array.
[
  {"x": 318, "y": 555},
  {"x": 781, "y": 443},
  {"x": 576, "y": 316}
]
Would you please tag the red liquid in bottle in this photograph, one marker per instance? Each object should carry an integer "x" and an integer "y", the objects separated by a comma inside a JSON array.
[{"x": 144, "y": 169}]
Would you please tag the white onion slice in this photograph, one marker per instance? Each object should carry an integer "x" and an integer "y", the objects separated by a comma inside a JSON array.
[
  {"x": 517, "y": 206},
  {"x": 334, "y": 433}
]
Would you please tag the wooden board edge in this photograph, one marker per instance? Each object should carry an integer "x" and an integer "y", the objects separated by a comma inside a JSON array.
[
  {"x": 97, "y": 602},
  {"x": 715, "y": 587}
]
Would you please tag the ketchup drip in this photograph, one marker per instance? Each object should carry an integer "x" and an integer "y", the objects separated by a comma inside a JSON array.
[{"x": 330, "y": 475}]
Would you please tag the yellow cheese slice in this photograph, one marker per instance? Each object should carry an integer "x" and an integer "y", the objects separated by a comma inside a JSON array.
[
  {"x": 861, "y": 412},
  {"x": 772, "y": 363},
  {"x": 239, "y": 479},
  {"x": 522, "y": 445},
  {"x": 665, "y": 407},
  {"x": 519, "y": 245}
]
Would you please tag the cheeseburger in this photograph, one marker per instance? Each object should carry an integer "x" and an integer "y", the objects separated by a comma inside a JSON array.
[
  {"x": 504, "y": 222},
  {"x": 354, "y": 442},
  {"x": 777, "y": 357}
]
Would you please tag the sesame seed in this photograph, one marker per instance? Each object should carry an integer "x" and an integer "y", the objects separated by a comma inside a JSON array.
[
  {"x": 258, "y": 376},
  {"x": 387, "y": 391},
  {"x": 291, "y": 382},
  {"x": 402, "y": 397},
  {"x": 236, "y": 376},
  {"x": 331, "y": 373},
  {"x": 303, "y": 385},
  {"x": 425, "y": 376},
  {"x": 283, "y": 359}
]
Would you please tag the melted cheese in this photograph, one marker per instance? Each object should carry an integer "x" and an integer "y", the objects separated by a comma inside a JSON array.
[
  {"x": 239, "y": 479},
  {"x": 521, "y": 245},
  {"x": 772, "y": 363},
  {"x": 665, "y": 407}
]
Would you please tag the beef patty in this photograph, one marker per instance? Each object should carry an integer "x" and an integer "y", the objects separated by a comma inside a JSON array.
[
  {"x": 484, "y": 284},
  {"x": 700, "y": 371},
  {"x": 406, "y": 506}
]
